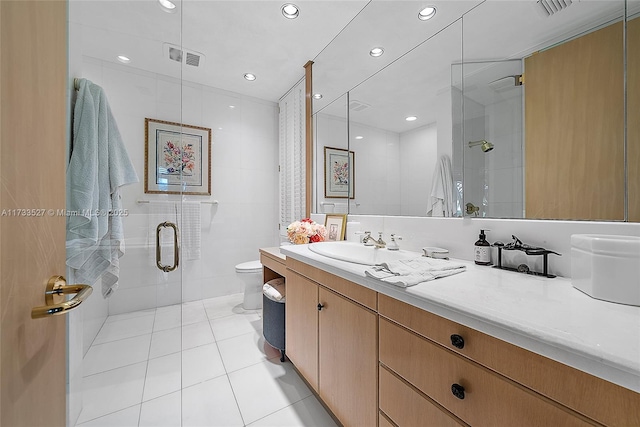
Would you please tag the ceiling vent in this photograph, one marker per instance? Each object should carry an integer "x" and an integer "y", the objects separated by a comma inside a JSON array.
[
  {"x": 183, "y": 56},
  {"x": 550, "y": 7},
  {"x": 358, "y": 105}
]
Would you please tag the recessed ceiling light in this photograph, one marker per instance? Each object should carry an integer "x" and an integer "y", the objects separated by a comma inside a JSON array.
[
  {"x": 411, "y": 118},
  {"x": 376, "y": 51},
  {"x": 290, "y": 11},
  {"x": 427, "y": 13},
  {"x": 124, "y": 59},
  {"x": 317, "y": 96},
  {"x": 250, "y": 77},
  {"x": 167, "y": 6},
  {"x": 359, "y": 137},
  {"x": 232, "y": 106}
]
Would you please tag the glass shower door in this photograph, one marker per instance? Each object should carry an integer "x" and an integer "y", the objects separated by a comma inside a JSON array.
[{"x": 125, "y": 343}]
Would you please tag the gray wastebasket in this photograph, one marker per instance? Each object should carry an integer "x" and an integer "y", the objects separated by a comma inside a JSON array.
[{"x": 273, "y": 326}]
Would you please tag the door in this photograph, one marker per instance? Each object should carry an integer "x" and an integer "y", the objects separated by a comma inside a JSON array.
[
  {"x": 347, "y": 359},
  {"x": 32, "y": 158}
]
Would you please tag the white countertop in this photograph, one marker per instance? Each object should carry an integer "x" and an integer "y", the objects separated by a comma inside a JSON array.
[{"x": 546, "y": 316}]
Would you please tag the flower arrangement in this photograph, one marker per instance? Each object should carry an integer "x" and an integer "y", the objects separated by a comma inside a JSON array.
[{"x": 306, "y": 231}]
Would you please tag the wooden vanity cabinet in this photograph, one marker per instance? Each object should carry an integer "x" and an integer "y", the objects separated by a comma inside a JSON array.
[
  {"x": 377, "y": 361},
  {"x": 529, "y": 387},
  {"x": 332, "y": 339}
]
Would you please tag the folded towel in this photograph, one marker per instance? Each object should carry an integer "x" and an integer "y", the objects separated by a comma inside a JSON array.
[
  {"x": 409, "y": 272},
  {"x": 275, "y": 290}
]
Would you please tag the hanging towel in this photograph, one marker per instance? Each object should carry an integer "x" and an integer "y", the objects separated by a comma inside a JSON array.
[
  {"x": 409, "y": 272},
  {"x": 98, "y": 167},
  {"x": 441, "y": 200},
  {"x": 190, "y": 230}
]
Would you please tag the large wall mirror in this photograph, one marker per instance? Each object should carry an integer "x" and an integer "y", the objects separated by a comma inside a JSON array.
[{"x": 528, "y": 103}]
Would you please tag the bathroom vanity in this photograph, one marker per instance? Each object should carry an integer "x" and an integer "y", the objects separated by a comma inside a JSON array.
[{"x": 484, "y": 347}]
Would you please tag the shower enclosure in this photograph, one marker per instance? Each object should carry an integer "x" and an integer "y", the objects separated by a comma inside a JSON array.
[
  {"x": 489, "y": 134},
  {"x": 116, "y": 343}
]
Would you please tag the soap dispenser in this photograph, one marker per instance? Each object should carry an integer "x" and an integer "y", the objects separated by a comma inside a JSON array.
[{"x": 482, "y": 250}]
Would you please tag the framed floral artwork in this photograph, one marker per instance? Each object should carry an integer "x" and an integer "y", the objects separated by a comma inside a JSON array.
[
  {"x": 339, "y": 173},
  {"x": 335, "y": 224},
  {"x": 177, "y": 158}
]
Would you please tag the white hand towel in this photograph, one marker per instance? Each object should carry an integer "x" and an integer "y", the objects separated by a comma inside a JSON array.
[
  {"x": 441, "y": 200},
  {"x": 409, "y": 272},
  {"x": 190, "y": 230}
]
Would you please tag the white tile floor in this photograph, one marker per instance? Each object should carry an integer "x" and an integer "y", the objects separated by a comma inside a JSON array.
[{"x": 203, "y": 363}]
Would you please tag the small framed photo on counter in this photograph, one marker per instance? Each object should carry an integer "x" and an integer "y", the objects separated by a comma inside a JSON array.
[{"x": 335, "y": 225}]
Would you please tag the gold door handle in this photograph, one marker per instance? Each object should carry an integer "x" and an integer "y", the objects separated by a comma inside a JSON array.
[
  {"x": 176, "y": 247},
  {"x": 54, "y": 298}
]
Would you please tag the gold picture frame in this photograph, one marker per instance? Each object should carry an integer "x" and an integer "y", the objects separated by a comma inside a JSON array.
[
  {"x": 177, "y": 158},
  {"x": 335, "y": 225}
]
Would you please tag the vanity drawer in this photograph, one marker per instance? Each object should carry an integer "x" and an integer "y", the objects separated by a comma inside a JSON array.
[
  {"x": 407, "y": 408},
  {"x": 483, "y": 397},
  {"x": 598, "y": 399}
]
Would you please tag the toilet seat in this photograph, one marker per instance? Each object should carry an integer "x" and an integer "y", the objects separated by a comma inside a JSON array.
[{"x": 249, "y": 267}]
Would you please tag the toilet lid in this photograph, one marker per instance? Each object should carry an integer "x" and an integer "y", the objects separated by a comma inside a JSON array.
[{"x": 249, "y": 267}]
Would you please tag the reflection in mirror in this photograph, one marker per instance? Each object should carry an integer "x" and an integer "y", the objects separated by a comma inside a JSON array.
[
  {"x": 573, "y": 102},
  {"x": 330, "y": 132},
  {"x": 565, "y": 161},
  {"x": 397, "y": 156},
  {"x": 491, "y": 149},
  {"x": 633, "y": 108}
]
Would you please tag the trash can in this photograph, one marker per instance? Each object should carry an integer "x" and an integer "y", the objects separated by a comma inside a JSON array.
[{"x": 273, "y": 301}]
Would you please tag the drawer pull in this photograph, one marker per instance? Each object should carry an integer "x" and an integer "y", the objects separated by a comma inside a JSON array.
[
  {"x": 457, "y": 341},
  {"x": 320, "y": 306},
  {"x": 458, "y": 391}
]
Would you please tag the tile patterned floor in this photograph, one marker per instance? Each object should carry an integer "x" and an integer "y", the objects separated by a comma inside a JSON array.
[{"x": 204, "y": 363}]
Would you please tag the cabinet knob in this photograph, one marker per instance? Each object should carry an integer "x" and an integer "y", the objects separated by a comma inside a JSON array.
[
  {"x": 457, "y": 341},
  {"x": 458, "y": 391},
  {"x": 320, "y": 306}
]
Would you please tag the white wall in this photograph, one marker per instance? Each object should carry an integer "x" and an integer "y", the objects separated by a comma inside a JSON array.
[
  {"x": 244, "y": 182},
  {"x": 418, "y": 158},
  {"x": 377, "y": 177}
]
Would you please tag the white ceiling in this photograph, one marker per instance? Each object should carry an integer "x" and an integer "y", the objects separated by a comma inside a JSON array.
[
  {"x": 236, "y": 37},
  {"x": 240, "y": 36}
]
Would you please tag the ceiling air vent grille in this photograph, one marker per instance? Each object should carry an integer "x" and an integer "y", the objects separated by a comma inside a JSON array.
[
  {"x": 183, "y": 56},
  {"x": 192, "y": 59},
  {"x": 549, "y": 7},
  {"x": 357, "y": 105}
]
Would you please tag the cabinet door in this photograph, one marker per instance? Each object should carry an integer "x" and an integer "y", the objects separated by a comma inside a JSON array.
[
  {"x": 348, "y": 360},
  {"x": 301, "y": 321}
]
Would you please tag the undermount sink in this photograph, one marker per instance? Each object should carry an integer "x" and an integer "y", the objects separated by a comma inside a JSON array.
[{"x": 358, "y": 253}]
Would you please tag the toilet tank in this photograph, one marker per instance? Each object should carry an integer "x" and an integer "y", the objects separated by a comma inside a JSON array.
[{"x": 607, "y": 267}]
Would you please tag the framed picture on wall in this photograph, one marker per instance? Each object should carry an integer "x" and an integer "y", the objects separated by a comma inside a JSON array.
[
  {"x": 339, "y": 173},
  {"x": 335, "y": 225},
  {"x": 177, "y": 158}
]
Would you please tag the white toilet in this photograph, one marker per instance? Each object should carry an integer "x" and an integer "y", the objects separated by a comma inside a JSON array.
[{"x": 251, "y": 274}]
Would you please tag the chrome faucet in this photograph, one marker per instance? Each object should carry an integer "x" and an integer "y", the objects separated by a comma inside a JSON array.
[{"x": 370, "y": 241}]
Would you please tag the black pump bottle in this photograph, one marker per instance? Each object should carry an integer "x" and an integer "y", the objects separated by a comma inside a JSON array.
[{"x": 482, "y": 250}]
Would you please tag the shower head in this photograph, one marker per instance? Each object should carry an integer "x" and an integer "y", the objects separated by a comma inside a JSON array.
[{"x": 485, "y": 145}]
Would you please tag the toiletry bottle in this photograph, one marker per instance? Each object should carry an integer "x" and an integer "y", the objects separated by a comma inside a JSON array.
[{"x": 482, "y": 250}]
